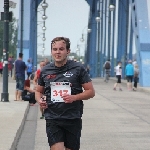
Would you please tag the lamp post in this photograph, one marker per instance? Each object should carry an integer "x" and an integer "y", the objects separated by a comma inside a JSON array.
[
  {"x": 44, "y": 5},
  {"x": 21, "y": 26},
  {"x": 111, "y": 8},
  {"x": 107, "y": 50},
  {"x": 101, "y": 37},
  {"x": 5, "y": 94},
  {"x": 97, "y": 47},
  {"x": 116, "y": 30},
  {"x": 82, "y": 37}
]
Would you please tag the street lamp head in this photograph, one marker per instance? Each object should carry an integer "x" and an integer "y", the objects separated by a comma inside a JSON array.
[
  {"x": 44, "y": 17},
  {"x": 43, "y": 49},
  {"x": 43, "y": 38},
  {"x": 82, "y": 39},
  {"x": 12, "y": 4},
  {"x": 97, "y": 19},
  {"x": 111, "y": 7},
  {"x": 43, "y": 28},
  {"x": 89, "y": 30},
  {"x": 77, "y": 49},
  {"x": 44, "y": 5}
]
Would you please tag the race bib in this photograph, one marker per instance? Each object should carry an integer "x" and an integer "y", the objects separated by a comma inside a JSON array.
[{"x": 58, "y": 89}]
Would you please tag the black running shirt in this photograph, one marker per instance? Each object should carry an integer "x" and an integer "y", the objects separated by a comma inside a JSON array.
[{"x": 73, "y": 72}]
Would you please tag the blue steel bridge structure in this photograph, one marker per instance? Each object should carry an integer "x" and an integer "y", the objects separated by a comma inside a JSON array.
[{"x": 115, "y": 35}]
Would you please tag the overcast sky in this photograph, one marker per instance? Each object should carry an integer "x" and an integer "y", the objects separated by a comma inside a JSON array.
[{"x": 67, "y": 18}]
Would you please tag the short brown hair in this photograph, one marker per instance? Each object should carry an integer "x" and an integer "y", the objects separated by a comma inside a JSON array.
[
  {"x": 66, "y": 40},
  {"x": 20, "y": 55}
]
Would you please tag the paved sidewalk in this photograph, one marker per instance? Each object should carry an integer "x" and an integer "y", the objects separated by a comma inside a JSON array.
[
  {"x": 12, "y": 117},
  {"x": 112, "y": 120},
  {"x": 116, "y": 120}
]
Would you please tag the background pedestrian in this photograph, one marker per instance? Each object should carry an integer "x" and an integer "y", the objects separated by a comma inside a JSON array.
[
  {"x": 35, "y": 81},
  {"x": 136, "y": 77},
  {"x": 107, "y": 68},
  {"x": 1, "y": 68},
  {"x": 118, "y": 71},
  {"x": 20, "y": 68},
  {"x": 29, "y": 68},
  {"x": 129, "y": 71}
]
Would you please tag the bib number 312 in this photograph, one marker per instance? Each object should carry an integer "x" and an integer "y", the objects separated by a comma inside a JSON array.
[
  {"x": 60, "y": 92},
  {"x": 58, "y": 89}
]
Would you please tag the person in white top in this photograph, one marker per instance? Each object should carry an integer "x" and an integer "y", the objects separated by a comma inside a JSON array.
[
  {"x": 136, "y": 77},
  {"x": 134, "y": 63},
  {"x": 118, "y": 70}
]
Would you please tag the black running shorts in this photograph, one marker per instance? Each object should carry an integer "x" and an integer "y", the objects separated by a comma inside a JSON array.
[
  {"x": 65, "y": 130},
  {"x": 118, "y": 78},
  {"x": 129, "y": 78}
]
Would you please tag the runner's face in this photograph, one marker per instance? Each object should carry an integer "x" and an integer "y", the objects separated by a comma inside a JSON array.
[{"x": 59, "y": 52}]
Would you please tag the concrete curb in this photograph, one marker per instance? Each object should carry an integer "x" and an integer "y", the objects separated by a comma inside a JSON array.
[{"x": 19, "y": 131}]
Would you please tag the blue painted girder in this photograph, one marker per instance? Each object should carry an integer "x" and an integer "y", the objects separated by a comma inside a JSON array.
[{"x": 90, "y": 2}]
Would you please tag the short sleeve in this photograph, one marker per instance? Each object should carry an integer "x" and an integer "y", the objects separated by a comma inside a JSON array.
[{"x": 84, "y": 76}]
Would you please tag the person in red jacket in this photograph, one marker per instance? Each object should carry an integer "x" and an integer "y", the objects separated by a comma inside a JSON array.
[
  {"x": 35, "y": 80},
  {"x": 1, "y": 68}
]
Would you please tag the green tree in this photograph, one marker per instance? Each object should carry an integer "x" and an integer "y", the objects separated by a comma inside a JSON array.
[
  {"x": 12, "y": 37},
  {"x": 13, "y": 30}
]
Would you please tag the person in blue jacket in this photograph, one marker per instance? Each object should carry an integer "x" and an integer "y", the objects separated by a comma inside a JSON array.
[
  {"x": 129, "y": 71},
  {"x": 29, "y": 68}
]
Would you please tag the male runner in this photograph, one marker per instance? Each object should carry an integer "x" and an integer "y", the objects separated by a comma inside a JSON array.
[{"x": 62, "y": 86}]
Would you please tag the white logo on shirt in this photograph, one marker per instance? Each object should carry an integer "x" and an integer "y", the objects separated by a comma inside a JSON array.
[{"x": 68, "y": 74}]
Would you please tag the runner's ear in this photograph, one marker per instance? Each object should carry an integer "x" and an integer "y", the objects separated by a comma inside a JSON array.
[{"x": 68, "y": 51}]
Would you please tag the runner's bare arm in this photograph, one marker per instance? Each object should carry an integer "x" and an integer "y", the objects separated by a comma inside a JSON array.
[
  {"x": 40, "y": 98},
  {"x": 39, "y": 92},
  {"x": 88, "y": 93}
]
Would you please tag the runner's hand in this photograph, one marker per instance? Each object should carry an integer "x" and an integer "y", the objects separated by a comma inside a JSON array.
[
  {"x": 43, "y": 103},
  {"x": 68, "y": 98}
]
